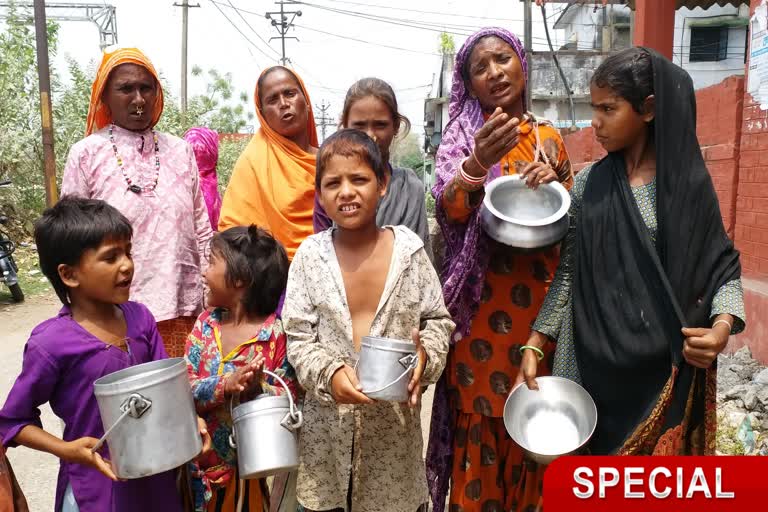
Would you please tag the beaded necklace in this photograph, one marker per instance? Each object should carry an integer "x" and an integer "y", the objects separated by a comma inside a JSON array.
[{"x": 136, "y": 189}]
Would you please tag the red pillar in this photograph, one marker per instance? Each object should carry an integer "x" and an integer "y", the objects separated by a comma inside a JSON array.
[{"x": 655, "y": 25}]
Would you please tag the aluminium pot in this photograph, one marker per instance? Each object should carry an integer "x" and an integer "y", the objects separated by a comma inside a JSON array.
[
  {"x": 264, "y": 432},
  {"x": 516, "y": 216},
  {"x": 149, "y": 416}
]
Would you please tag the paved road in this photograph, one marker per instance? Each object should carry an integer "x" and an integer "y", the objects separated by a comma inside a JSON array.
[{"x": 37, "y": 471}]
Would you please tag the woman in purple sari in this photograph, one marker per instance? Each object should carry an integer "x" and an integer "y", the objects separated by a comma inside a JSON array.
[{"x": 493, "y": 291}]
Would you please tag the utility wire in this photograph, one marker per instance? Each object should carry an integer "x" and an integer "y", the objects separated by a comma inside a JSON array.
[
  {"x": 252, "y": 29},
  {"x": 366, "y": 42},
  {"x": 468, "y": 32},
  {"x": 215, "y": 4},
  {"x": 424, "y": 12}
]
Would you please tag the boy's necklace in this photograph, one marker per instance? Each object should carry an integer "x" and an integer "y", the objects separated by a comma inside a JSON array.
[{"x": 136, "y": 189}]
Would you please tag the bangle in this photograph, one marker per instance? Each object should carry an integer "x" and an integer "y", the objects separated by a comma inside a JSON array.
[
  {"x": 474, "y": 155},
  {"x": 726, "y": 322},
  {"x": 537, "y": 350},
  {"x": 470, "y": 183},
  {"x": 471, "y": 179}
]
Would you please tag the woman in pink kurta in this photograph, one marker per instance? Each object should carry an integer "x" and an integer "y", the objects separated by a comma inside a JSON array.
[{"x": 152, "y": 178}]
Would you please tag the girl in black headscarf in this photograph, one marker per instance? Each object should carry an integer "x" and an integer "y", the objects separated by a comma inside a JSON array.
[{"x": 648, "y": 289}]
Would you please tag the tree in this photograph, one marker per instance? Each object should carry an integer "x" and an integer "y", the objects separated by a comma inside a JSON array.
[
  {"x": 212, "y": 109},
  {"x": 447, "y": 45},
  {"x": 406, "y": 152},
  {"x": 20, "y": 131}
]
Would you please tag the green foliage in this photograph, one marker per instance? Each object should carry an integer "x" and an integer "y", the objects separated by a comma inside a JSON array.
[
  {"x": 447, "y": 46},
  {"x": 727, "y": 441},
  {"x": 20, "y": 128},
  {"x": 406, "y": 152},
  {"x": 429, "y": 202},
  {"x": 212, "y": 109},
  {"x": 229, "y": 151}
]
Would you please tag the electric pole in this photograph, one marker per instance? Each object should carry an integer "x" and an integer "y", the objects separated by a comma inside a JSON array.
[
  {"x": 44, "y": 77},
  {"x": 324, "y": 120},
  {"x": 185, "y": 5},
  {"x": 283, "y": 25},
  {"x": 528, "y": 44}
]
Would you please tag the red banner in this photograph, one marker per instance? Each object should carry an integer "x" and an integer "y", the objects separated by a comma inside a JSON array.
[{"x": 650, "y": 484}]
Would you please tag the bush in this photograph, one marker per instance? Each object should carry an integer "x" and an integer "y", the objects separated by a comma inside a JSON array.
[
  {"x": 229, "y": 151},
  {"x": 429, "y": 201}
]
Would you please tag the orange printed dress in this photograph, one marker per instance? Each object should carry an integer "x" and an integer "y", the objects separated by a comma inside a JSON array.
[{"x": 489, "y": 470}]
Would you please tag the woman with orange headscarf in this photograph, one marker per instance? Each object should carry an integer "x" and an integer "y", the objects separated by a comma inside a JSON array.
[
  {"x": 152, "y": 178},
  {"x": 273, "y": 183}
]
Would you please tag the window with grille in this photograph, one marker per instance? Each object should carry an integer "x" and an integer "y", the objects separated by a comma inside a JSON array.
[{"x": 709, "y": 44}]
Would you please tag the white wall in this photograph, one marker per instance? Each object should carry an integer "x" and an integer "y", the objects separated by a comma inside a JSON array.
[{"x": 705, "y": 74}]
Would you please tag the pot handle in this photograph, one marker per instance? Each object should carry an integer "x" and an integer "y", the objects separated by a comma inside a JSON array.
[
  {"x": 134, "y": 406},
  {"x": 410, "y": 362},
  {"x": 296, "y": 417},
  {"x": 292, "y": 421}
]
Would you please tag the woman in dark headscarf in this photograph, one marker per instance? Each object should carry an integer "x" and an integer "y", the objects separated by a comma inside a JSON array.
[
  {"x": 492, "y": 291},
  {"x": 649, "y": 289}
]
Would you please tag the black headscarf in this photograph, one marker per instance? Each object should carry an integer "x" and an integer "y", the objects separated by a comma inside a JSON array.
[{"x": 631, "y": 297}]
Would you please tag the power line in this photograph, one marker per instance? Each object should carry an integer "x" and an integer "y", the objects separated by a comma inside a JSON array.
[
  {"x": 389, "y": 21},
  {"x": 367, "y": 42},
  {"x": 283, "y": 26},
  {"x": 250, "y": 27},
  {"x": 321, "y": 86},
  {"x": 429, "y": 26},
  {"x": 216, "y": 5},
  {"x": 324, "y": 119},
  {"x": 318, "y": 83},
  {"x": 435, "y": 24},
  {"x": 424, "y": 12}
]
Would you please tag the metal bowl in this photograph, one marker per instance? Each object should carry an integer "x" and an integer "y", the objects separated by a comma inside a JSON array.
[
  {"x": 515, "y": 215},
  {"x": 556, "y": 420}
]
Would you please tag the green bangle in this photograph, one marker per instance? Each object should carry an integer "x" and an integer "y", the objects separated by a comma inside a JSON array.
[{"x": 539, "y": 352}]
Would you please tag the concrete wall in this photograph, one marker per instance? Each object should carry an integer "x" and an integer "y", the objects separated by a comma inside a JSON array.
[
  {"x": 548, "y": 94},
  {"x": 586, "y": 23},
  {"x": 705, "y": 74}
]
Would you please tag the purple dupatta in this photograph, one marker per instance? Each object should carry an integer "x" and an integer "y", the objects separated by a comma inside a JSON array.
[{"x": 466, "y": 254}]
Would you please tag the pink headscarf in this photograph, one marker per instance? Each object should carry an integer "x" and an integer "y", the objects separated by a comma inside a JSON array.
[{"x": 205, "y": 143}]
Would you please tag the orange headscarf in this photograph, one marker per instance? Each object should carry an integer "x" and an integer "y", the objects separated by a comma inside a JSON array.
[
  {"x": 273, "y": 183},
  {"x": 99, "y": 115}
]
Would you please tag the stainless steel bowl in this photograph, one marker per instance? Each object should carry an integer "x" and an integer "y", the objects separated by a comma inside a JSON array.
[
  {"x": 515, "y": 215},
  {"x": 556, "y": 420}
]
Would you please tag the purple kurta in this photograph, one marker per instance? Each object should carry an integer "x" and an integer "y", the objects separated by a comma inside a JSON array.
[{"x": 61, "y": 362}]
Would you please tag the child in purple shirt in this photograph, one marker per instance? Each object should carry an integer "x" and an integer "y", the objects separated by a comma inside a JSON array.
[{"x": 84, "y": 247}]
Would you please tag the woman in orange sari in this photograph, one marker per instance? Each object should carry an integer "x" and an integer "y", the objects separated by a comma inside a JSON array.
[
  {"x": 273, "y": 183},
  {"x": 493, "y": 292}
]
